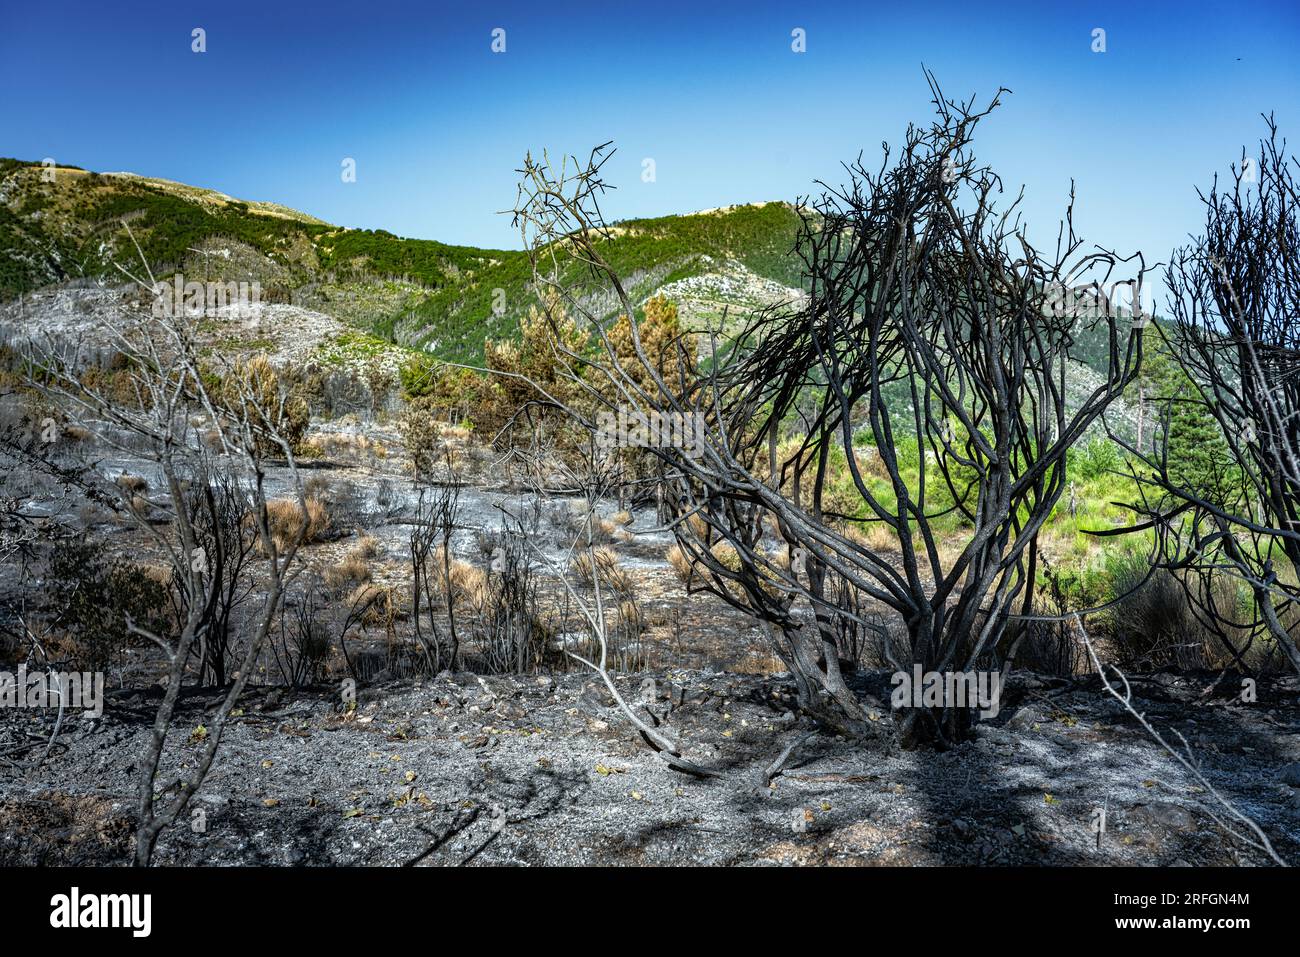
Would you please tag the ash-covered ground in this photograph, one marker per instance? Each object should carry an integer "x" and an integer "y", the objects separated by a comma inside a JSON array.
[{"x": 544, "y": 770}]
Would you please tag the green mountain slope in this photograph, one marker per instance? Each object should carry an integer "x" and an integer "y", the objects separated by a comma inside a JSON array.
[{"x": 64, "y": 223}]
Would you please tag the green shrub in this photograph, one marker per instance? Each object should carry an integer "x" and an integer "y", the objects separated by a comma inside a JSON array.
[
  {"x": 91, "y": 595},
  {"x": 1093, "y": 460}
]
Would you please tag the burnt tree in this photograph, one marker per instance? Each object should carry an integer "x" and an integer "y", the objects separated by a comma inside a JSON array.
[{"x": 930, "y": 322}]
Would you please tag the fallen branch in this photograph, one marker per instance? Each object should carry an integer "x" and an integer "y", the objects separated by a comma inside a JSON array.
[{"x": 1188, "y": 762}]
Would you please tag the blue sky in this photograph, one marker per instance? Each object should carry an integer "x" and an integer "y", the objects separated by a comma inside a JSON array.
[{"x": 712, "y": 92}]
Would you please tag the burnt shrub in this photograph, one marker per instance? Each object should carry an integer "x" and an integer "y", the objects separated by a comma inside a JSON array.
[{"x": 91, "y": 594}]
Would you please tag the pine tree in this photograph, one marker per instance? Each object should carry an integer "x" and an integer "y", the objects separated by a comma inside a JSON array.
[
  {"x": 662, "y": 341},
  {"x": 1183, "y": 426}
]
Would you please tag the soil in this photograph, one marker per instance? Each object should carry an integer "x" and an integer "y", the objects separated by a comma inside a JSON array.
[{"x": 543, "y": 770}]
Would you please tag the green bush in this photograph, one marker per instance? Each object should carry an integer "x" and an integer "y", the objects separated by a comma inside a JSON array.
[
  {"x": 91, "y": 595},
  {"x": 1093, "y": 460}
]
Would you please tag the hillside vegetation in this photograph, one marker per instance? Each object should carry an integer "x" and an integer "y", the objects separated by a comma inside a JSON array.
[{"x": 65, "y": 223}]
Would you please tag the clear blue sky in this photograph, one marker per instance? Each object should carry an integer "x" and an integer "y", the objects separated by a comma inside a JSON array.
[{"x": 710, "y": 90}]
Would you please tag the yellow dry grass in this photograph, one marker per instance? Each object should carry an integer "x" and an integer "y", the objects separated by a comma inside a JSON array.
[{"x": 288, "y": 520}]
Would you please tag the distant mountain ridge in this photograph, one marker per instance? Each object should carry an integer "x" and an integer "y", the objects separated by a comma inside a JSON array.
[
  {"x": 61, "y": 223},
  {"x": 420, "y": 294}
]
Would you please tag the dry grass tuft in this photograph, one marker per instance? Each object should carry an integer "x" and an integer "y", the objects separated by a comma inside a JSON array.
[
  {"x": 131, "y": 483},
  {"x": 873, "y": 536},
  {"x": 726, "y": 555},
  {"x": 352, "y": 571},
  {"x": 288, "y": 520},
  {"x": 468, "y": 582},
  {"x": 162, "y": 574},
  {"x": 367, "y": 547},
  {"x": 631, "y": 618},
  {"x": 381, "y": 602},
  {"x": 606, "y": 565},
  {"x": 680, "y": 563},
  {"x": 699, "y": 527}
]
